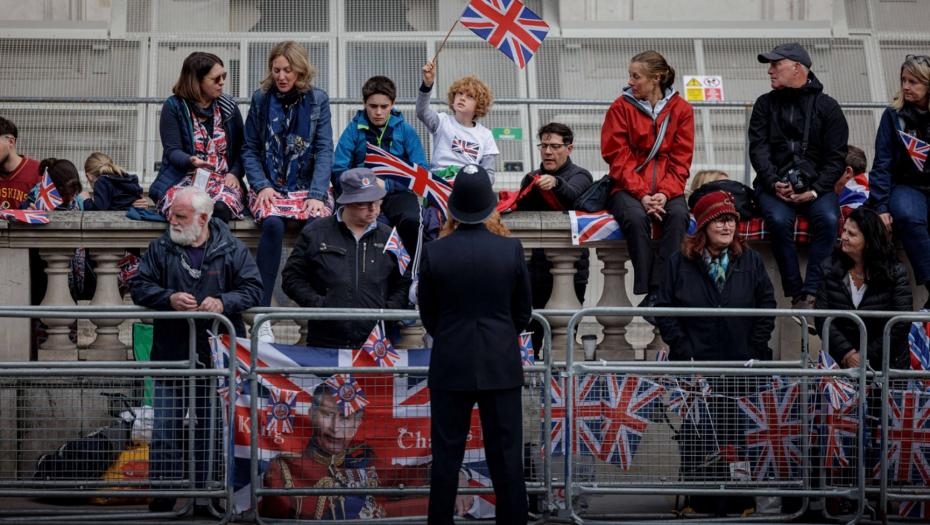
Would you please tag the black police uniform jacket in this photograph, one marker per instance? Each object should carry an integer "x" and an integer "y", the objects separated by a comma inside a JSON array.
[
  {"x": 329, "y": 269},
  {"x": 475, "y": 300}
]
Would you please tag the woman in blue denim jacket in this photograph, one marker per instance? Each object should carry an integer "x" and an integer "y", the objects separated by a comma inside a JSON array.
[
  {"x": 288, "y": 155},
  {"x": 899, "y": 183}
]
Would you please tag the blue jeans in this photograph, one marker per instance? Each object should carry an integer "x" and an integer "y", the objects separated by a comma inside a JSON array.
[
  {"x": 908, "y": 207},
  {"x": 166, "y": 453},
  {"x": 824, "y": 216}
]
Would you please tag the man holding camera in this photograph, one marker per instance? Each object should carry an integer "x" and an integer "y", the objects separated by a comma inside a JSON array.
[{"x": 797, "y": 146}]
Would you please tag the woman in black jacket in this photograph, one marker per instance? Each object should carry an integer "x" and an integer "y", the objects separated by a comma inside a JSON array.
[
  {"x": 864, "y": 274},
  {"x": 715, "y": 269}
]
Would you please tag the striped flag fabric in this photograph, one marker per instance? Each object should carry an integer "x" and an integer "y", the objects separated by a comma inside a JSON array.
[
  {"x": 48, "y": 198},
  {"x": 590, "y": 227},
  {"x": 25, "y": 216},
  {"x": 916, "y": 149},
  {"x": 411, "y": 176},
  {"x": 855, "y": 193},
  {"x": 507, "y": 25},
  {"x": 395, "y": 246}
]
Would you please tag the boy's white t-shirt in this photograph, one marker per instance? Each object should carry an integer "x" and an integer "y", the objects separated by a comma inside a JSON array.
[{"x": 455, "y": 144}]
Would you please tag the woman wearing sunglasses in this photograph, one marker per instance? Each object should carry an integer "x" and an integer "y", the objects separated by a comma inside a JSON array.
[{"x": 900, "y": 178}]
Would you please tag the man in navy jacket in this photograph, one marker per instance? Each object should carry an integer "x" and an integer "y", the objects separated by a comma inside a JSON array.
[{"x": 475, "y": 300}]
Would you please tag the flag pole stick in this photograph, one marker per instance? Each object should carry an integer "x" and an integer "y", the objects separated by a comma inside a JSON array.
[{"x": 444, "y": 39}]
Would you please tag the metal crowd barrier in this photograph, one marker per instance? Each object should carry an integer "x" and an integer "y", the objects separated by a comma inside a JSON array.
[
  {"x": 59, "y": 391},
  {"x": 655, "y": 387}
]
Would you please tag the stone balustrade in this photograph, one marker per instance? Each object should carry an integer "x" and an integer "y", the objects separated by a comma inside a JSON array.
[{"x": 108, "y": 234}]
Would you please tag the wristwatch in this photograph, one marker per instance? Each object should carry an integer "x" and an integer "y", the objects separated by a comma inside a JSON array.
[{"x": 813, "y": 195}]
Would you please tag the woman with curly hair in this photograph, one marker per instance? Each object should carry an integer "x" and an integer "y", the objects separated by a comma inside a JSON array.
[{"x": 864, "y": 274}]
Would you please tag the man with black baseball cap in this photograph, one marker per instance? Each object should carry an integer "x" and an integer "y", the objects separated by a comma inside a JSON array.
[
  {"x": 474, "y": 301},
  {"x": 797, "y": 146},
  {"x": 340, "y": 262}
]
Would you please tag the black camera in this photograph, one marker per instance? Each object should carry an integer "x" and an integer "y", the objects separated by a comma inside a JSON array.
[{"x": 798, "y": 178}]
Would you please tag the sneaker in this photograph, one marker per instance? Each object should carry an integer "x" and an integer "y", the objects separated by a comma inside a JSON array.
[
  {"x": 648, "y": 302},
  {"x": 162, "y": 504},
  {"x": 265, "y": 333},
  {"x": 805, "y": 302}
]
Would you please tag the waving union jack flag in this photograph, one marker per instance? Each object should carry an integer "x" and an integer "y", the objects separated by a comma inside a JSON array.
[
  {"x": 507, "y": 25},
  {"x": 281, "y": 410},
  {"x": 411, "y": 176},
  {"x": 395, "y": 246},
  {"x": 909, "y": 436},
  {"x": 48, "y": 198},
  {"x": 526, "y": 349},
  {"x": 26, "y": 216},
  {"x": 589, "y": 227},
  {"x": 469, "y": 150},
  {"x": 773, "y": 431},
  {"x": 916, "y": 148},
  {"x": 380, "y": 349},
  {"x": 627, "y": 410},
  {"x": 855, "y": 193}
]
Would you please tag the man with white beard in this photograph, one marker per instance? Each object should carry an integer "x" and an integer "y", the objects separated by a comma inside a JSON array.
[{"x": 197, "y": 265}]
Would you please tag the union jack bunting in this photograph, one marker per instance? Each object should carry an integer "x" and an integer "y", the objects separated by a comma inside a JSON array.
[
  {"x": 507, "y": 25},
  {"x": 908, "y": 436},
  {"x": 914, "y": 509},
  {"x": 916, "y": 148},
  {"x": 48, "y": 197},
  {"x": 689, "y": 398},
  {"x": 918, "y": 343},
  {"x": 395, "y": 246},
  {"x": 840, "y": 428},
  {"x": 526, "y": 349},
  {"x": 837, "y": 391},
  {"x": 380, "y": 349},
  {"x": 586, "y": 412},
  {"x": 589, "y": 227},
  {"x": 411, "y": 176},
  {"x": 347, "y": 393},
  {"x": 280, "y": 411},
  {"x": 468, "y": 150},
  {"x": 627, "y": 410},
  {"x": 773, "y": 431},
  {"x": 26, "y": 216}
]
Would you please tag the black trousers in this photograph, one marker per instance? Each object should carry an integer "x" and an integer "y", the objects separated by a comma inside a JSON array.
[
  {"x": 402, "y": 210},
  {"x": 636, "y": 226},
  {"x": 502, "y": 427}
]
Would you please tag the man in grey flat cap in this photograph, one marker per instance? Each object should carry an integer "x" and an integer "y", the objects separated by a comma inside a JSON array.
[
  {"x": 797, "y": 146},
  {"x": 340, "y": 262}
]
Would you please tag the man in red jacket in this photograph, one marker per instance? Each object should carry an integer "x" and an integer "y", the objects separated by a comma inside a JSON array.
[{"x": 18, "y": 174}]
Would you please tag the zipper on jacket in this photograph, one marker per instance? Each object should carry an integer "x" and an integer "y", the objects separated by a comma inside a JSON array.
[{"x": 364, "y": 255}]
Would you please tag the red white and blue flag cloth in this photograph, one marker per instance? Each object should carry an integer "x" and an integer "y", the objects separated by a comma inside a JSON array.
[
  {"x": 628, "y": 407},
  {"x": 918, "y": 342},
  {"x": 773, "y": 431},
  {"x": 601, "y": 226},
  {"x": 854, "y": 194},
  {"x": 914, "y": 509},
  {"x": 507, "y": 25},
  {"x": 48, "y": 197},
  {"x": 526, "y": 349},
  {"x": 280, "y": 410},
  {"x": 908, "y": 459},
  {"x": 916, "y": 149},
  {"x": 379, "y": 348},
  {"x": 411, "y": 176},
  {"x": 395, "y": 246},
  {"x": 468, "y": 150},
  {"x": 347, "y": 393},
  {"x": 837, "y": 416},
  {"x": 587, "y": 412},
  {"x": 25, "y": 216}
]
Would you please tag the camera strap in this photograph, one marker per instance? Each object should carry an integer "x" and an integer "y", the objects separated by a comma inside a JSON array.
[{"x": 807, "y": 122}]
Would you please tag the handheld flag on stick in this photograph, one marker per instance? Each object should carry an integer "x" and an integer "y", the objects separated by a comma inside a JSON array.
[
  {"x": 411, "y": 176},
  {"x": 48, "y": 198},
  {"x": 507, "y": 25},
  {"x": 395, "y": 246}
]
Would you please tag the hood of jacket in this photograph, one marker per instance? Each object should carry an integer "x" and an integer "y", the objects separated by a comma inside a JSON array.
[
  {"x": 644, "y": 105},
  {"x": 812, "y": 87},
  {"x": 360, "y": 119}
]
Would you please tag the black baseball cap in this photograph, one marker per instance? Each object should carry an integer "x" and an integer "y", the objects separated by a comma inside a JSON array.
[{"x": 792, "y": 51}]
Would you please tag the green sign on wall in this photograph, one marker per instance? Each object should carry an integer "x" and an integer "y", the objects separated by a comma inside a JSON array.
[{"x": 507, "y": 133}]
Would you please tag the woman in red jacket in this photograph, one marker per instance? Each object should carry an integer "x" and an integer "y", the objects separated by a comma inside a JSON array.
[{"x": 650, "y": 179}]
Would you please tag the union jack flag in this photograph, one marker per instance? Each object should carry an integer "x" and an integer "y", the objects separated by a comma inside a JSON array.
[
  {"x": 395, "y": 246},
  {"x": 590, "y": 227},
  {"x": 414, "y": 177},
  {"x": 347, "y": 393},
  {"x": 526, "y": 349},
  {"x": 837, "y": 391},
  {"x": 773, "y": 431},
  {"x": 280, "y": 411},
  {"x": 841, "y": 428},
  {"x": 507, "y": 25},
  {"x": 587, "y": 413},
  {"x": 914, "y": 509},
  {"x": 26, "y": 216},
  {"x": 908, "y": 436},
  {"x": 469, "y": 150},
  {"x": 918, "y": 343},
  {"x": 689, "y": 398},
  {"x": 627, "y": 410},
  {"x": 916, "y": 148},
  {"x": 855, "y": 193},
  {"x": 48, "y": 198},
  {"x": 380, "y": 348}
]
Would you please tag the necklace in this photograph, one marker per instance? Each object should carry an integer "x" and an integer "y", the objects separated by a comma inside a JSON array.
[{"x": 857, "y": 276}]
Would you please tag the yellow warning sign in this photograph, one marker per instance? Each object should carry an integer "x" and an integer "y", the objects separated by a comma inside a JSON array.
[
  {"x": 694, "y": 82},
  {"x": 694, "y": 94},
  {"x": 703, "y": 88}
]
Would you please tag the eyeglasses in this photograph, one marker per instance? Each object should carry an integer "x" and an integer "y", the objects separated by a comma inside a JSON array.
[
  {"x": 725, "y": 221},
  {"x": 366, "y": 205},
  {"x": 217, "y": 78},
  {"x": 553, "y": 147},
  {"x": 921, "y": 59}
]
